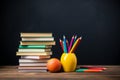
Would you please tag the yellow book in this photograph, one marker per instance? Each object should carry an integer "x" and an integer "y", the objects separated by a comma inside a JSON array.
[
  {"x": 36, "y": 34},
  {"x": 37, "y": 43}
]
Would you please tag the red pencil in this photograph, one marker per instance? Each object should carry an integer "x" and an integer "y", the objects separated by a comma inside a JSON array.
[
  {"x": 93, "y": 67},
  {"x": 61, "y": 44}
]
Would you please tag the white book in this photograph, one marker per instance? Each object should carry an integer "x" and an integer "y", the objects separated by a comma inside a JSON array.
[
  {"x": 33, "y": 53},
  {"x": 38, "y": 39},
  {"x": 34, "y": 50},
  {"x": 32, "y": 60},
  {"x": 32, "y": 67},
  {"x": 36, "y": 57},
  {"x": 42, "y": 70},
  {"x": 33, "y": 64}
]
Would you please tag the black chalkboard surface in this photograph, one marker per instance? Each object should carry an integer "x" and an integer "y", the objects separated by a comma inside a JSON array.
[{"x": 96, "y": 21}]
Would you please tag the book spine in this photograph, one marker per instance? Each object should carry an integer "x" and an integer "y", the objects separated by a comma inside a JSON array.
[
  {"x": 34, "y": 50},
  {"x": 33, "y": 68},
  {"x": 38, "y": 39},
  {"x": 36, "y": 57},
  {"x": 34, "y": 46},
  {"x": 33, "y": 53},
  {"x": 33, "y": 64},
  {"x": 42, "y": 70},
  {"x": 31, "y": 60},
  {"x": 37, "y": 43},
  {"x": 36, "y": 34}
]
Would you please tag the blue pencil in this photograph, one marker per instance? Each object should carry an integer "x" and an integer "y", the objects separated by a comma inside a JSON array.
[{"x": 64, "y": 44}]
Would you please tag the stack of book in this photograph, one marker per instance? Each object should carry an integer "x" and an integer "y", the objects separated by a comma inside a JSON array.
[{"x": 34, "y": 51}]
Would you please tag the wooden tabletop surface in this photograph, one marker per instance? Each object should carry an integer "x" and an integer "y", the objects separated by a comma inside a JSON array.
[{"x": 11, "y": 72}]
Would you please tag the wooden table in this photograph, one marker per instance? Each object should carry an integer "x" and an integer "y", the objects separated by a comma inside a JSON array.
[{"x": 11, "y": 72}]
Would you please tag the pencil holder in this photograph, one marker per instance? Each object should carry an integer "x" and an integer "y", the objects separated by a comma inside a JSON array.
[{"x": 68, "y": 61}]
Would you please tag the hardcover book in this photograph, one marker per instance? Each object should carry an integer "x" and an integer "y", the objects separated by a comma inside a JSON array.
[
  {"x": 32, "y": 60},
  {"x": 38, "y": 39},
  {"x": 34, "y": 46},
  {"x": 36, "y": 57},
  {"x": 36, "y": 34},
  {"x": 33, "y": 53},
  {"x": 37, "y": 42},
  {"x": 32, "y": 68},
  {"x": 33, "y": 64},
  {"x": 34, "y": 50},
  {"x": 39, "y": 70}
]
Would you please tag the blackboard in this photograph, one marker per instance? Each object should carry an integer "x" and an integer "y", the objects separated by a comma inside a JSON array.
[{"x": 95, "y": 20}]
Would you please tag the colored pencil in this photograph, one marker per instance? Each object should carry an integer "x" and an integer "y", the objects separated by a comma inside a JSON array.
[
  {"x": 61, "y": 44},
  {"x": 93, "y": 67},
  {"x": 94, "y": 70},
  {"x": 75, "y": 45},
  {"x": 71, "y": 43},
  {"x": 64, "y": 44},
  {"x": 75, "y": 38},
  {"x": 67, "y": 42},
  {"x": 89, "y": 70}
]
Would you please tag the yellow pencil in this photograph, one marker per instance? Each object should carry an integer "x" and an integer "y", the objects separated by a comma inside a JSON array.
[{"x": 75, "y": 45}]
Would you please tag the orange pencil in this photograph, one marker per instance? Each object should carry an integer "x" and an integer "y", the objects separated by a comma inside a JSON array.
[
  {"x": 75, "y": 45},
  {"x": 93, "y": 70}
]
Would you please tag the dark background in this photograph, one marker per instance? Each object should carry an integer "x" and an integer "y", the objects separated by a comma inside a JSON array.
[{"x": 97, "y": 21}]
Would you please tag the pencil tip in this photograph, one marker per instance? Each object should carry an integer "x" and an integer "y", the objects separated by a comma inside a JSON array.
[
  {"x": 63, "y": 36},
  {"x": 81, "y": 37},
  {"x": 75, "y": 36}
]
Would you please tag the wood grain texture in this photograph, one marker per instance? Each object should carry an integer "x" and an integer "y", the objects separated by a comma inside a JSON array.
[{"x": 11, "y": 73}]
